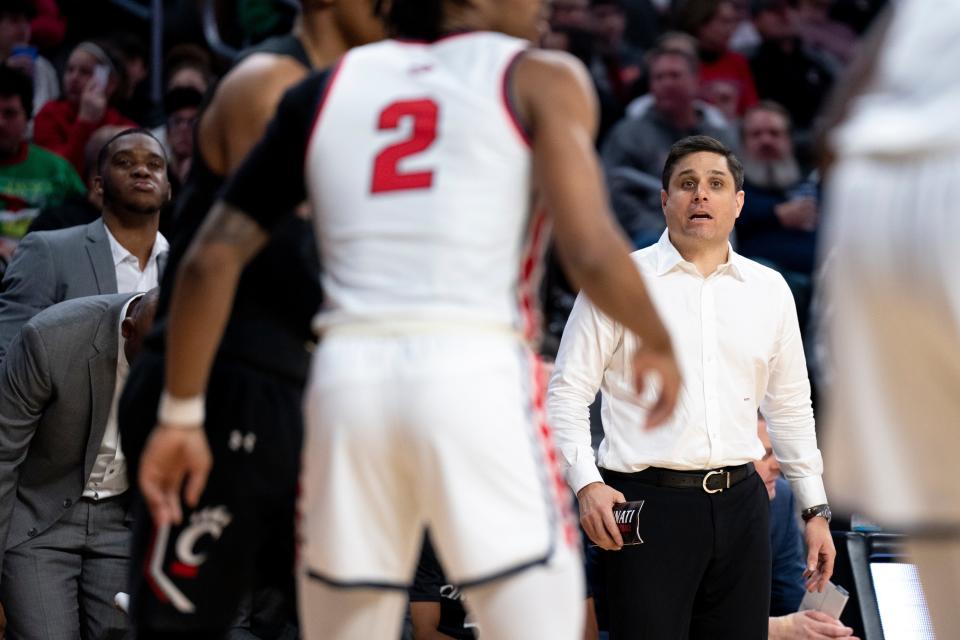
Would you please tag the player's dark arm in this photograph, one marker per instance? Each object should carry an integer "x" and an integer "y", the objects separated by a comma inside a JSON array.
[
  {"x": 557, "y": 100},
  {"x": 177, "y": 457},
  {"x": 264, "y": 189},
  {"x": 205, "y": 287}
]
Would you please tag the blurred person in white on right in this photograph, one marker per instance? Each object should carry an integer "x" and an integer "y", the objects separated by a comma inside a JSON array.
[{"x": 893, "y": 294}]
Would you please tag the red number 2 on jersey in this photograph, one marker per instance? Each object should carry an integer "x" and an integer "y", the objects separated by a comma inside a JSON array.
[{"x": 386, "y": 175}]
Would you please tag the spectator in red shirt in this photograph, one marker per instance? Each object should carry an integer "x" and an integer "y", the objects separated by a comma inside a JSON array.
[
  {"x": 712, "y": 23},
  {"x": 92, "y": 78}
]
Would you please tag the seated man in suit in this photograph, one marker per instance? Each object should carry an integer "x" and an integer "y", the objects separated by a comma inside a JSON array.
[
  {"x": 63, "y": 480},
  {"x": 116, "y": 254}
]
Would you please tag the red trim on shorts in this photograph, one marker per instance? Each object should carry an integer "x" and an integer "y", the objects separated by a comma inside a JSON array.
[
  {"x": 531, "y": 260},
  {"x": 323, "y": 101},
  {"x": 545, "y": 437},
  {"x": 505, "y": 98}
]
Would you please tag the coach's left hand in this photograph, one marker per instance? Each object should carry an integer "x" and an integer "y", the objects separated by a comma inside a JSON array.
[
  {"x": 820, "y": 554},
  {"x": 173, "y": 456}
]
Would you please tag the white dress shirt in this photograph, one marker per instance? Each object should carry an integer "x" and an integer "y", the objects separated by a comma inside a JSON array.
[
  {"x": 737, "y": 341},
  {"x": 108, "y": 477},
  {"x": 130, "y": 277}
]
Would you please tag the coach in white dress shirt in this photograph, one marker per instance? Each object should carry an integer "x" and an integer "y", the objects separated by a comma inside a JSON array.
[{"x": 704, "y": 567}]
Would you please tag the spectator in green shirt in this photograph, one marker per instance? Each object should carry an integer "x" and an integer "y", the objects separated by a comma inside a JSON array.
[{"x": 30, "y": 177}]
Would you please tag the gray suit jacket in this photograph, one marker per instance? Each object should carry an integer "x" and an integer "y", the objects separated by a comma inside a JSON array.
[
  {"x": 52, "y": 266},
  {"x": 56, "y": 388}
]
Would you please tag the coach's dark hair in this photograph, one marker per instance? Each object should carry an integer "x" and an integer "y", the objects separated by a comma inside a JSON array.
[
  {"x": 104, "y": 154},
  {"x": 416, "y": 19},
  {"x": 697, "y": 144}
]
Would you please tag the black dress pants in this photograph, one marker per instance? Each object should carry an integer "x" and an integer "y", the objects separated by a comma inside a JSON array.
[
  {"x": 189, "y": 580},
  {"x": 703, "y": 571}
]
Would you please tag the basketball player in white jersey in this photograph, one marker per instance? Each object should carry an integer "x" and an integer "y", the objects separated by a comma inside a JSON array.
[
  {"x": 420, "y": 157},
  {"x": 893, "y": 296}
]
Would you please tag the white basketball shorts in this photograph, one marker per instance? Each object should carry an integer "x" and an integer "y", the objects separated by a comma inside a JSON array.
[{"x": 440, "y": 429}]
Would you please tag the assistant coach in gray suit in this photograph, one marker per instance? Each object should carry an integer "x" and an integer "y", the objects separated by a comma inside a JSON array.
[
  {"x": 121, "y": 252},
  {"x": 64, "y": 523}
]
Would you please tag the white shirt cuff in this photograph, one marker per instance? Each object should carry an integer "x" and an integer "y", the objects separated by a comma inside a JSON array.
[
  {"x": 808, "y": 491},
  {"x": 581, "y": 475}
]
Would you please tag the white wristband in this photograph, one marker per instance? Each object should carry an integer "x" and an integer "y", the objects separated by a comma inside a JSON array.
[{"x": 181, "y": 413}]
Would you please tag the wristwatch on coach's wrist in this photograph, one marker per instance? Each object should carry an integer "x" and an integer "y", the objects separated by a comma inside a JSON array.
[{"x": 817, "y": 511}]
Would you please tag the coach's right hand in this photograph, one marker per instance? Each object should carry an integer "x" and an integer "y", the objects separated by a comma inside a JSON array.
[
  {"x": 173, "y": 456},
  {"x": 596, "y": 514}
]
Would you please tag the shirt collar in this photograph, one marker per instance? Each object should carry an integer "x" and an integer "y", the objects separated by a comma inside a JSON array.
[
  {"x": 120, "y": 254},
  {"x": 668, "y": 259}
]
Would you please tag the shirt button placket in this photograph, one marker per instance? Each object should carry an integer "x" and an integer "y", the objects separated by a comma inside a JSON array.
[{"x": 708, "y": 320}]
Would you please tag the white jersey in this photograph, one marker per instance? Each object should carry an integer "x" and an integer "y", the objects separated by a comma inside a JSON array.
[
  {"x": 892, "y": 295},
  {"x": 910, "y": 106},
  {"x": 420, "y": 177}
]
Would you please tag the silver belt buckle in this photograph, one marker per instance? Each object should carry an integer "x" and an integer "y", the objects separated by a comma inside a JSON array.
[{"x": 715, "y": 473}]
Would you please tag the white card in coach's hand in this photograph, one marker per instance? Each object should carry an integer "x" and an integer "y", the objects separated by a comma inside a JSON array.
[{"x": 831, "y": 601}]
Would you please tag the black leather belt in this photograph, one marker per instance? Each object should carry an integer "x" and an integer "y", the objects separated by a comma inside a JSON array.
[{"x": 710, "y": 480}]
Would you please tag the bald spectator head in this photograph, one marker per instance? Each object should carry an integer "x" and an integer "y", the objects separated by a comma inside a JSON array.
[{"x": 139, "y": 321}]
